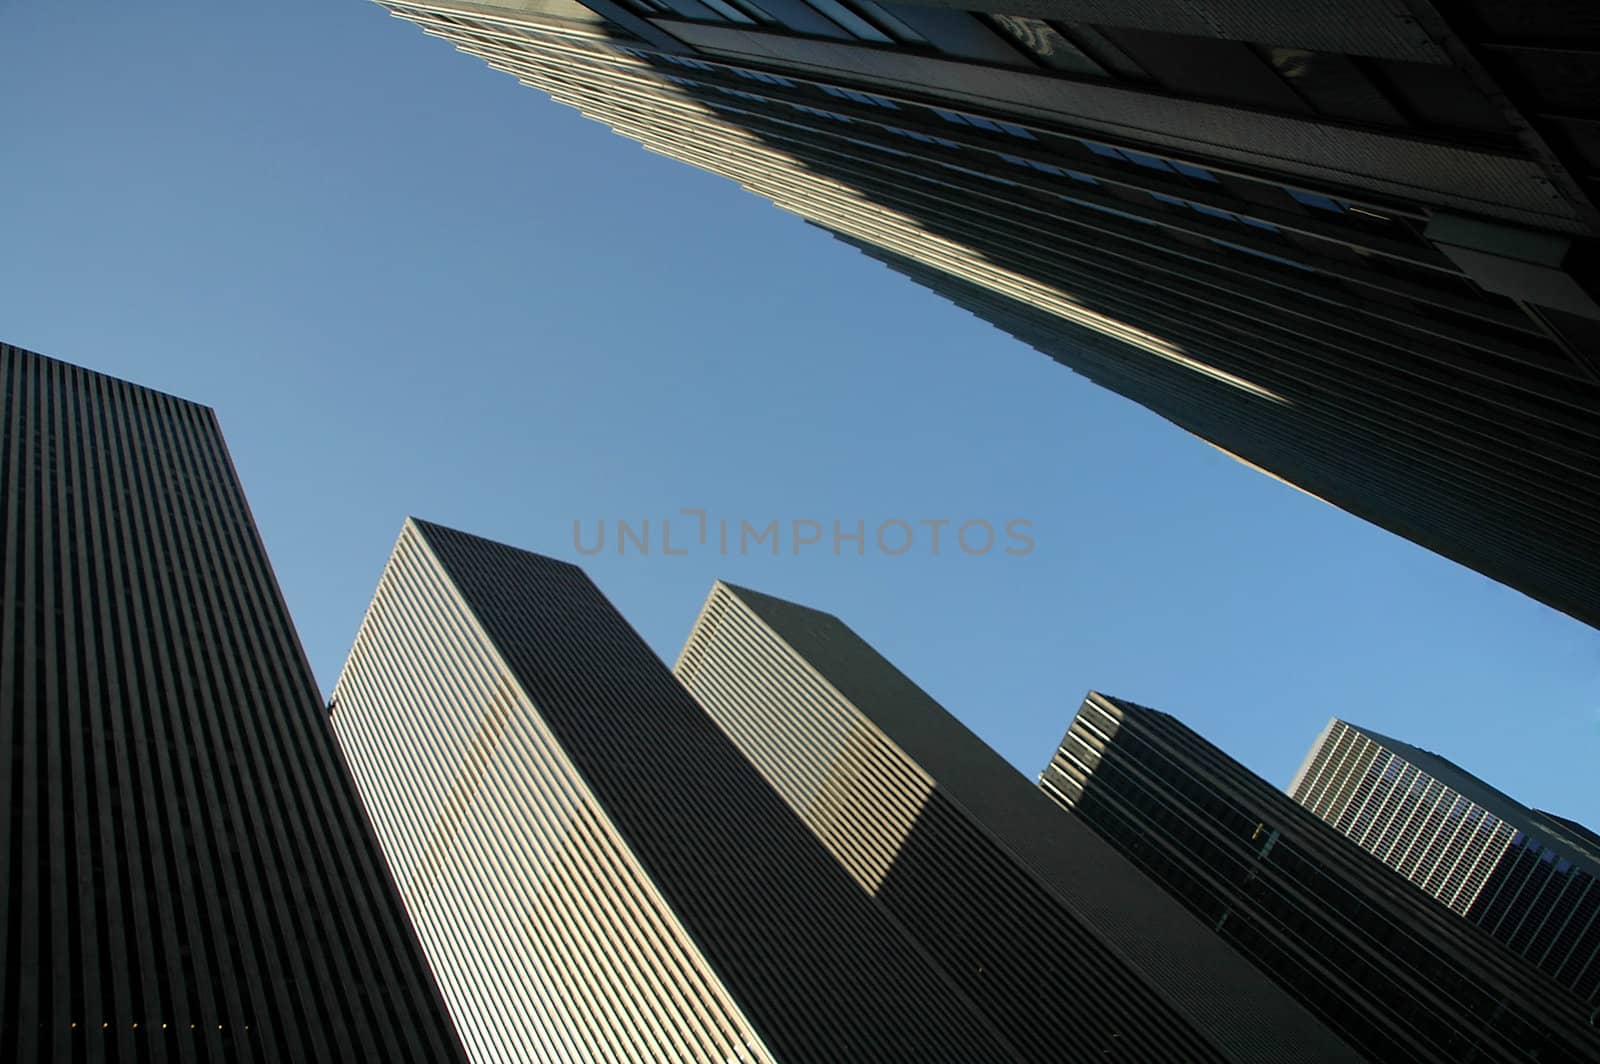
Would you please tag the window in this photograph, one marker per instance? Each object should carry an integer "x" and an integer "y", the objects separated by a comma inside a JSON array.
[
  {"x": 770, "y": 79},
  {"x": 860, "y": 97},
  {"x": 854, "y": 23},
  {"x": 1029, "y": 163},
  {"x": 1048, "y": 45},
  {"x": 1208, "y": 69},
  {"x": 1334, "y": 85},
  {"x": 1188, "y": 170},
  {"x": 895, "y": 26},
  {"x": 1149, "y": 162},
  {"x": 729, "y": 12},
  {"x": 1317, "y": 200},
  {"x": 1007, "y": 128}
]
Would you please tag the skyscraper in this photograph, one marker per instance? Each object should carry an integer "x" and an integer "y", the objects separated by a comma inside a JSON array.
[
  {"x": 1527, "y": 877},
  {"x": 185, "y": 869},
  {"x": 595, "y": 871},
  {"x": 1065, "y": 947},
  {"x": 1350, "y": 243},
  {"x": 1399, "y": 977}
]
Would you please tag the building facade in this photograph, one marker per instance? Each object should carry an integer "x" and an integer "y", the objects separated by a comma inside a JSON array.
[
  {"x": 185, "y": 869},
  {"x": 594, "y": 870},
  {"x": 1349, "y": 243},
  {"x": 1399, "y": 977},
  {"x": 1064, "y": 946},
  {"x": 1527, "y": 877}
]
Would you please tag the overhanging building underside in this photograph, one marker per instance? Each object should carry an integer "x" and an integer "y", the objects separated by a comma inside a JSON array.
[{"x": 1356, "y": 255}]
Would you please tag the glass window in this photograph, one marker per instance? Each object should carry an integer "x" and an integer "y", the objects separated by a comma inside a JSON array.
[
  {"x": 1317, "y": 200},
  {"x": 1149, "y": 162},
  {"x": 1188, "y": 170},
  {"x": 1048, "y": 45},
  {"x": 1334, "y": 86},
  {"x": 1206, "y": 68},
  {"x": 895, "y": 26},
  {"x": 854, "y": 23},
  {"x": 728, "y": 11}
]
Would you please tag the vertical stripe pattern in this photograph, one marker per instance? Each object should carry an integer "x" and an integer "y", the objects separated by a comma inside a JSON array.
[
  {"x": 1054, "y": 937},
  {"x": 185, "y": 872},
  {"x": 1400, "y": 977},
  {"x": 597, "y": 875},
  {"x": 1525, "y": 877}
]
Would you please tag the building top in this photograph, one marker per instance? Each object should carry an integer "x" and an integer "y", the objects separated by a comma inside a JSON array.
[
  {"x": 1136, "y": 920},
  {"x": 1566, "y": 838}
]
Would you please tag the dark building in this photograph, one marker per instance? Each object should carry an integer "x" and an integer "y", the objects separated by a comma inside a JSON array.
[
  {"x": 595, "y": 871},
  {"x": 1063, "y": 945},
  {"x": 1527, "y": 877},
  {"x": 1351, "y": 243},
  {"x": 186, "y": 872},
  {"x": 1397, "y": 975}
]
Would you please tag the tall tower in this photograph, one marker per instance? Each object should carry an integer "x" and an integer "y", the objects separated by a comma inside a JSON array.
[
  {"x": 1351, "y": 243},
  {"x": 595, "y": 871},
  {"x": 1399, "y": 977},
  {"x": 1529, "y": 878},
  {"x": 1067, "y": 948},
  {"x": 185, "y": 869}
]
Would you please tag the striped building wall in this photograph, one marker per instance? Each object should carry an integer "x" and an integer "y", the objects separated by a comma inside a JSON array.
[
  {"x": 1064, "y": 945},
  {"x": 185, "y": 869},
  {"x": 1401, "y": 978},
  {"x": 1270, "y": 271},
  {"x": 1530, "y": 879},
  {"x": 596, "y": 874}
]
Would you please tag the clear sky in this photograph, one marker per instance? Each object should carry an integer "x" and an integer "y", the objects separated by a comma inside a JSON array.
[{"x": 410, "y": 285}]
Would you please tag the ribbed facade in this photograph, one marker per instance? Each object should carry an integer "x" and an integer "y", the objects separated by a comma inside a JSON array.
[
  {"x": 185, "y": 870},
  {"x": 1067, "y": 949},
  {"x": 1305, "y": 232},
  {"x": 595, "y": 872},
  {"x": 1526, "y": 877},
  {"x": 1398, "y": 976}
]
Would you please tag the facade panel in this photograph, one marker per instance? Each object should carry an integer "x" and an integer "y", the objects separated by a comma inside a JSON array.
[
  {"x": 595, "y": 871},
  {"x": 185, "y": 872},
  {"x": 1398, "y": 976},
  {"x": 1528, "y": 878},
  {"x": 1055, "y": 937}
]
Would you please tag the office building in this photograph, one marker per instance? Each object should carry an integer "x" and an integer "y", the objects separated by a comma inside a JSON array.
[
  {"x": 1066, "y": 948},
  {"x": 594, "y": 870},
  {"x": 1527, "y": 877},
  {"x": 1350, "y": 243},
  {"x": 1399, "y": 977},
  {"x": 186, "y": 872}
]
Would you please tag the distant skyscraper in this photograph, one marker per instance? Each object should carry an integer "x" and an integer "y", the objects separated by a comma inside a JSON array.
[
  {"x": 1067, "y": 948},
  {"x": 597, "y": 874},
  {"x": 1399, "y": 977},
  {"x": 185, "y": 870},
  {"x": 1352, "y": 243},
  {"x": 1529, "y": 878}
]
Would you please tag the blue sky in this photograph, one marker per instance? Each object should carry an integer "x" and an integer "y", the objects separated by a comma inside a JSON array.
[{"x": 410, "y": 285}]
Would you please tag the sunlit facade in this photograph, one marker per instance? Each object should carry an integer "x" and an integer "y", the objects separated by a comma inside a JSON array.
[
  {"x": 1398, "y": 976},
  {"x": 1529, "y": 878},
  {"x": 186, "y": 873},
  {"x": 1068, "y": 950},
  {"x": 1351, "y": 243},
  {"x": 595, "y": 872}
]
